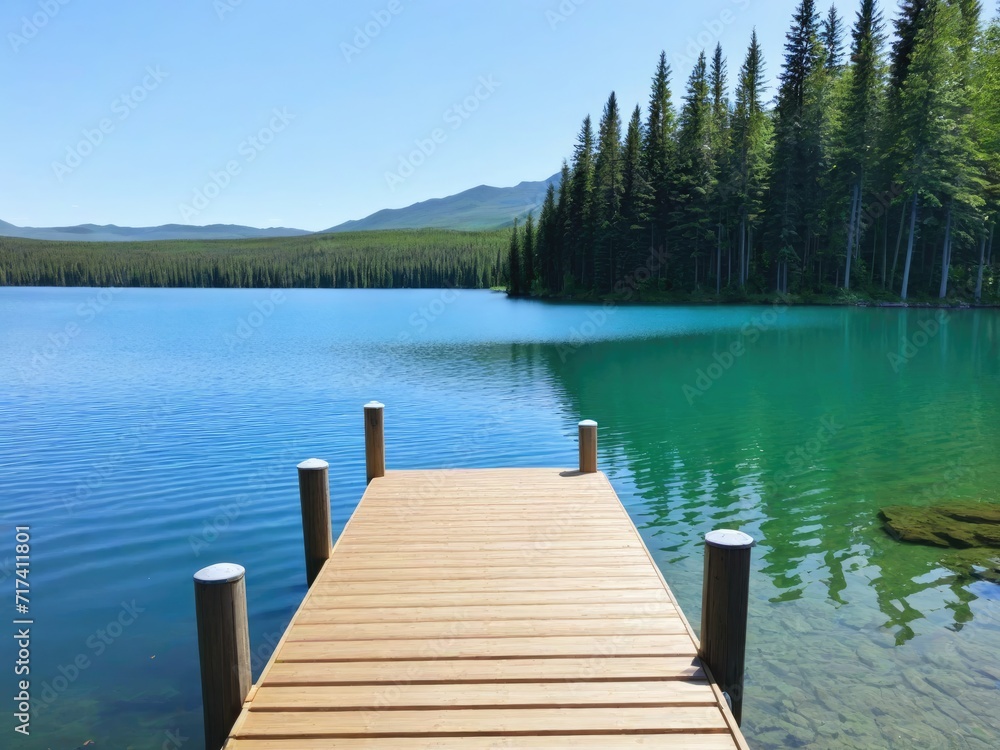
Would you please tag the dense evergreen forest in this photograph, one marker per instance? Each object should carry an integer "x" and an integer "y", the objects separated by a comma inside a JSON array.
[
  {"x": 385, "y": 259},
  {"x": 874, "y": 168}
]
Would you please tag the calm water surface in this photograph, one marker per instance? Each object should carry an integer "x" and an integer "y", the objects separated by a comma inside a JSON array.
[{"x": 147, "y": 433}]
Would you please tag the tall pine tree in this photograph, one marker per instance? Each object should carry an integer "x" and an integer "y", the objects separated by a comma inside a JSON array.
[
  {"x": 751, "y": 148},
  {"x": 720, "y": 145},
  {"x": 799, "y": 156},
  {"x": 636, "y": 197},
  {"x": 924, "y": 120},
  {"x": 832, "y": 34},
  {"x": 859, "y": 127},
  {"x": 514, "y": 276},
  {"x": 582, "y": 209},
  {"x": 695, "y": 167},
  {"x": 660, "y": 131},
  {"x": 528, "y": 253},
  {"x": 608, "y": 186}
]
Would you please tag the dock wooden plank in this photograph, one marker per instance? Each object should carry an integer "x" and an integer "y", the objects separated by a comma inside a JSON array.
[
  {"x": 454, "y": 646},
  {"x": 661, "y": 609},
  {"x": 672, "y": 741},
  {"x": 433, "y": 594},
  {"x": 504, "y": 572},
  {"x": 482, "y": 721},
  {"x": 451, "y": 695},
  {"x": 470, "y": 671},
  {"x": 469, "y": 628},
  {"x": 474, "y": 609}
]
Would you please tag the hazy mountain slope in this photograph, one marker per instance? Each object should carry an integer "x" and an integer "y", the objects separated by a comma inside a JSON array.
[
  {"x": 113, "y": 233},
  {"x": 482, "y": 207}
]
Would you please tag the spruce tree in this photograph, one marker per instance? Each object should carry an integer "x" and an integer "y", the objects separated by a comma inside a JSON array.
[
  {"x": 582, "y": 209},
  {"x": 751, "y": 147},
  {"x": 859, "y": 127},
  {"x": 514, "y": 287},
  {"x": 799, "y": 159},
  {"x": 547, "y": 241},
  {"x": 985, "y": 100},
  {"x": 636, "y": 196},
  {"x": 832, "y": 35},
  {"x": 695, "y": 166},
  {"x": 924, "y": 120},
  {"x": 608, "y": 191},
  {"x": 721, "y": 136},
  {"x": 528, "y": 253},
  {"x": 659, "y": 150},
  {"x": 562, "y": 222}
]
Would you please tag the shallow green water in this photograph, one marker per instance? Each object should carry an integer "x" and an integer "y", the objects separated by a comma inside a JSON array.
[{"x": 163, "y": 437}]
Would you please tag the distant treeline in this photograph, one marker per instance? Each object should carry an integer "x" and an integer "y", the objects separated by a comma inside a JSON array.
[
  {"x": 385, "y": 259},
  {"x": 874, "y": 167}
]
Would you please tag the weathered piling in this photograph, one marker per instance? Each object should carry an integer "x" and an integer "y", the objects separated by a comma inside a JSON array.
[
  {"x": 724, "y": 607},
  {"x": 374, "y": 440},
  {"x": 314, "y": 494},
  {"x": 223, "y": 647},
  {"x": 588, "y": 446}
]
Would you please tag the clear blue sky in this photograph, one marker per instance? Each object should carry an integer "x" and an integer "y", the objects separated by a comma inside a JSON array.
[{"x": 230, "y": 65}]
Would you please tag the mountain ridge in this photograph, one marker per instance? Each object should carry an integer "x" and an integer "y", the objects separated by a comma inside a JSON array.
[
  {"x": 115, "y": 233},
  {"x": 479, "y": 208},
  {"x": 483, "y": 207}
]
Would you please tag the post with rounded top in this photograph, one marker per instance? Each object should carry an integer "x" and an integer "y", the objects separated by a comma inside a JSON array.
[
  {"x": 220, "y": 601},
  {"x": 724, "y": 606},
  {"x": 588, "y": 446},
  {"x": 374, "y": 440},
  {"x": 314, "y": 494}
]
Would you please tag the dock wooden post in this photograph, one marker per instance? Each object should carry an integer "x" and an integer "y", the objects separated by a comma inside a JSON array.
[
  {"x": 588, "y": 446},
  {"x": 220, "y": 601},
  {"x": 724, "y": 607},
  {"x": 314, "y": 494},
  {"x": 374, "y": 440}
]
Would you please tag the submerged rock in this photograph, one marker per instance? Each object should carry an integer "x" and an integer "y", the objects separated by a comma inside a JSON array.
[
  {"x": 959, "y": 525},
  {"x": 971, "y": 529}
]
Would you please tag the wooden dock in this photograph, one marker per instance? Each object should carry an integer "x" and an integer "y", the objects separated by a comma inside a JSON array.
[{"x": 508, "y": 608}]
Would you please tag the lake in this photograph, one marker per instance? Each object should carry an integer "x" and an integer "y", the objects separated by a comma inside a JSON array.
[{"x": 150, "y": 432}]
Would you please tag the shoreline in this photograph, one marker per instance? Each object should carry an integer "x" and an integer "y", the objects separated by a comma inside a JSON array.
[
  {"x": 773, "y": 298},
  {"x": 656, "y": 300}
]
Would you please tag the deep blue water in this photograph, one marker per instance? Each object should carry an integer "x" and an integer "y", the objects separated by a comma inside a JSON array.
[{"x": 147, "y": 433}]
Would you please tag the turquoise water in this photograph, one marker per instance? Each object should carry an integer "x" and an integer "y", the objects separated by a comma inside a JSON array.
[{"x": 147, "y": 433}]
